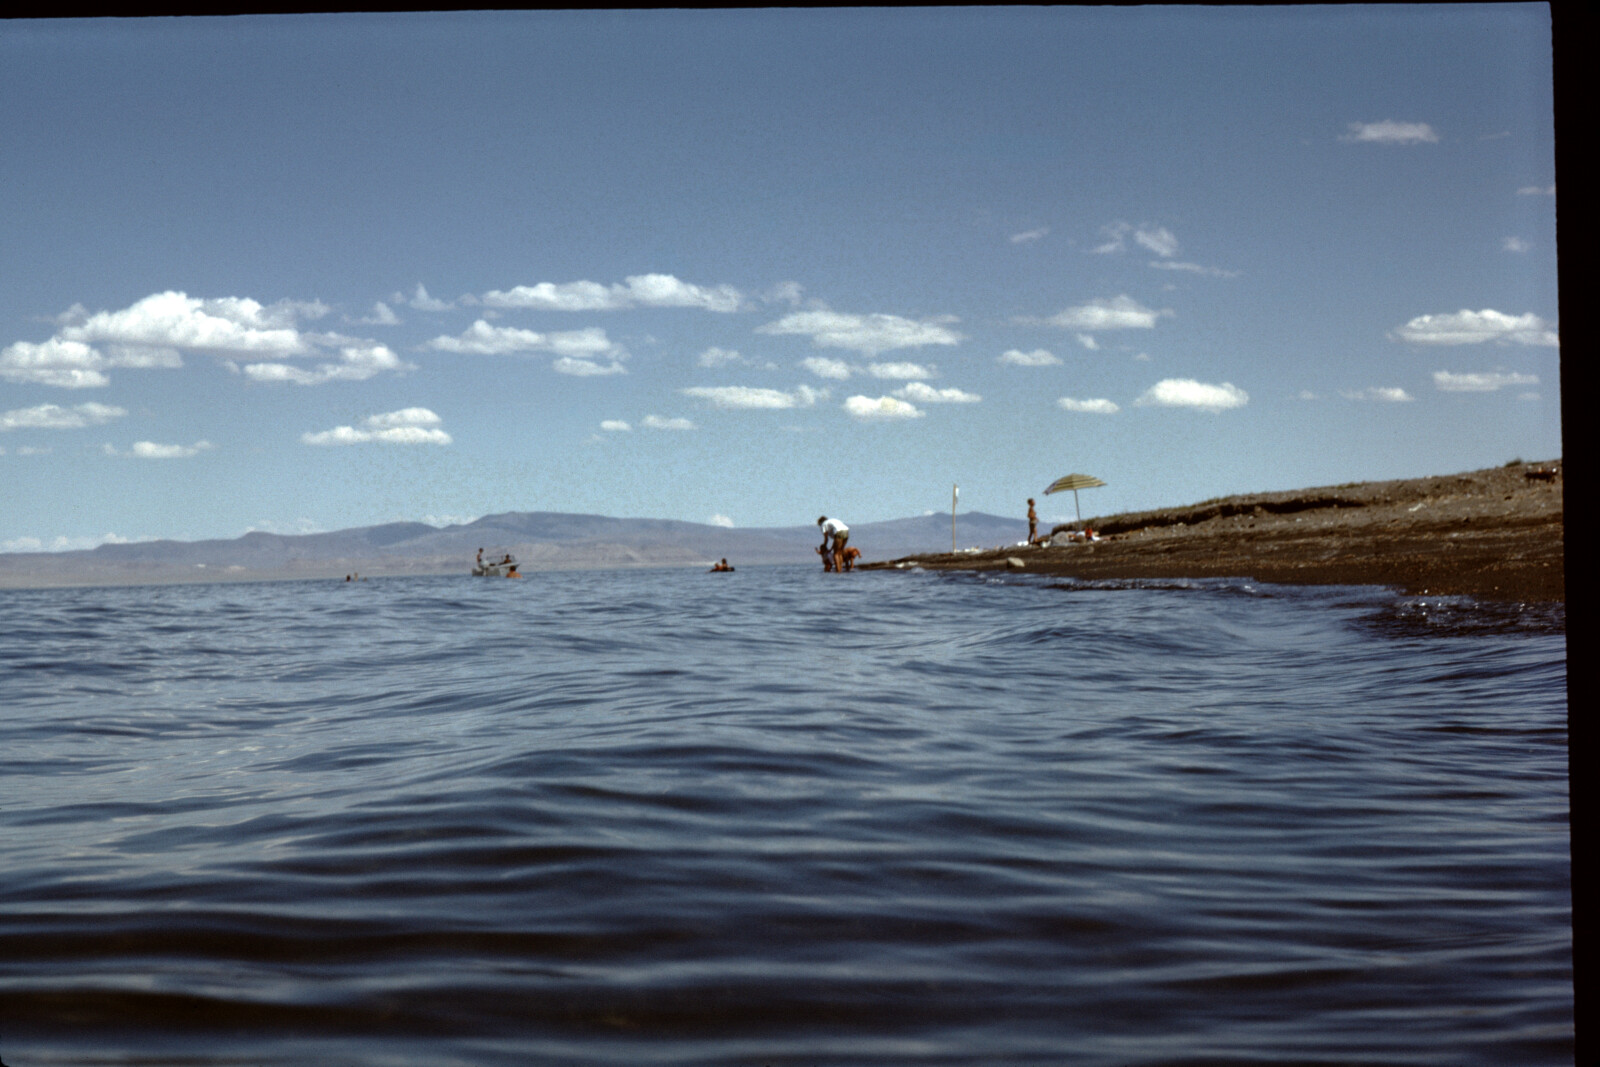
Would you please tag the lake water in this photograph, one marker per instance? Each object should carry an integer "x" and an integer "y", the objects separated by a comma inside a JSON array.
[{"x": 779, "y": 817}]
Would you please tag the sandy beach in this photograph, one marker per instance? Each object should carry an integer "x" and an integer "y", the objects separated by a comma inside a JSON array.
[{"x": 1495, "y": 534}]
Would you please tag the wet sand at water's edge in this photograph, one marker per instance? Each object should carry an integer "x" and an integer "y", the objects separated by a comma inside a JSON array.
[{"x": 1495, "y": 534}]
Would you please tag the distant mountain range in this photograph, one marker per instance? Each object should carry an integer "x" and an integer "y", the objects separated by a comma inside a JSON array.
[{"x": 540, "y": 540}]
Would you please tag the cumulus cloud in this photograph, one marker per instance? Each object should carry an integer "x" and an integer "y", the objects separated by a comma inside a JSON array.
[
  {"x": 899, "y": 370},
  {"x": 231, "y": 325},
  {"x": 639, "y": 290},
  {"x": 659, "y": 422},
  {"x": 719, "y": 357},
  {"x": 1095, "y": 406},
  {"x": 868, "y": 334},
  {"x": 64, "y": 364},
  {"x": 423, "y": 302},
  {"x": 408, "y": 426},
  {"x": 750, "y": 398},
  {"x": 1029, "y": 236},
  {"x": 1515, "y": 244},
  {"x": 1039, "y": 357},
  {"x": 151, "y": 450},
  {"x": 56, "y": 417},
  {"x": 356, "y": 363},
  {"x": 155, "y": 331},
  {"x": 823, "y": 367},
  {"x": 382, "y": 315},
  {"x": 927, "y": 394},
  {"x": 615, "y": 426},
  {"x": 1474, "y": 327},
  {"x": 1488, "y": 382},
  {"x": 583, "y": 352},
  {"x": 1383, "y": 394},
  {"x": 1390, "y": 132},
  {"x": 1188, "y": 393},
  {"x": 721, "y": 520},
  {"x": 1117, "y": 313},
  {"x": 884, "y": 407}
]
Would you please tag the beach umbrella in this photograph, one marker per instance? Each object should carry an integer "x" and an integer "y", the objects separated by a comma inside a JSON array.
[{"x": 1074, "y": 482}]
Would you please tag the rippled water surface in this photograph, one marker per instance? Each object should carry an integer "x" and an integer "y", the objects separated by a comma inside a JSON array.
[{"x": 779, "y": 817}]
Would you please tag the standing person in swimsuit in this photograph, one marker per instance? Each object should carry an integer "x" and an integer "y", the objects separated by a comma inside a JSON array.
[
  {"x": 1033, "y": 522},
  {"x": 840, "y": 533}
]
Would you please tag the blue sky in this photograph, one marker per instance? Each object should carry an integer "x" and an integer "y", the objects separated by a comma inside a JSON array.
[{"x": 302, "y": 273}]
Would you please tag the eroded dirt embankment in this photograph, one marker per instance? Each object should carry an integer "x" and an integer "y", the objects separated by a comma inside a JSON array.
[{"x": 1495, "y": 533}]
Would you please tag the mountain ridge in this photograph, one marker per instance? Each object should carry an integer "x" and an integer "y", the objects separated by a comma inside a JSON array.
[{"x": 541, "y": 540}]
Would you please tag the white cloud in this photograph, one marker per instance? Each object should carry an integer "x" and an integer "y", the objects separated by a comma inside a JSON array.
[
  {"x": 784, "y": 293},
  {"x": 749, "y": 398},
  {"x": 1474, "y": 327},
  {"x": 586, "y": 368},
  {"x": 151, "y": 450},
  {"x": 823, "y": 367},
  {"x": 1537, "y": 190},
  {"x": 721, "y": 520},
  {"x": 66, "y": 544},
  {"x": 579, "y": 351},
  {"x": 1115, "y": 234},
  {"x": 1117, "y": 313},
  {"x": 1515, "y": 244},
  {"x": 719, "y": 357},
  {"x": 884, "y": 407},
  {"x": 1039, "y": 357},
  {"x": 1391, "y": 132},
  {"x": 659, "y": 422},
  {"x": 1447, "y": 382},
  {"x": 927, "y": 394},
  {"x": 899, "y": 370},
  {"x": 1157, "y": 239},
  {"x": 382, "y": 315},
  {"x": 1087, "y": 341},
  {"x": 232, "y": 325},
  {"x": 868, "y": 334},
  {"x": 640, "y": 290},
  {"x": 1195, "y": 268},
  {"x": 1095, "y": 406},
  {"x": 1383, "y": 394},
  {"x": 357, "y": 363},
  {"x": 409, "y": 426},
  {"x": 1029, "y": 236},
  {"x": 63, "y": 364},
  {"x": 615, "y": 426},
  {"x": 56, "y": 417},
  {"x": 1188, "y": 393},
  {"x": 423, "y": 302},
  {"x": 155, "y": 331}
]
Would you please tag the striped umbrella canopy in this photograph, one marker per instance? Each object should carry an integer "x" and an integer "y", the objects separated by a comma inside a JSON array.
[{"x": 1074, "y": 482}]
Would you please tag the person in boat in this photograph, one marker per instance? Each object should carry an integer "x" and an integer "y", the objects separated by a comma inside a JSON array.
[
  {"x": 722, "y": 566},
  {"x": 840, "y": 533}
]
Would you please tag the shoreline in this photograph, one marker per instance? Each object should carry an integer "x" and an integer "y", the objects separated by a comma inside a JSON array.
[{"x": 1495, "y": 534}]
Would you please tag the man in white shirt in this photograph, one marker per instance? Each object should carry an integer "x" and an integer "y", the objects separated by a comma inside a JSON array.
[{"x": 840, "y": 533}]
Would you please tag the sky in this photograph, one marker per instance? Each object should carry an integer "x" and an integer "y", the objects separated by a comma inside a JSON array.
[{"x": 303, "y": 273}]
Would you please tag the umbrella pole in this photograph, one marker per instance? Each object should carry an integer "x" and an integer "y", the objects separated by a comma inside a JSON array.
[{"x": 1075, "y": 506}]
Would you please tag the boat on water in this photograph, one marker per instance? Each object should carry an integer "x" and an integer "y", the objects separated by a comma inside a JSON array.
[{"x": 501, "y": 568}]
